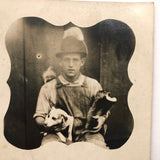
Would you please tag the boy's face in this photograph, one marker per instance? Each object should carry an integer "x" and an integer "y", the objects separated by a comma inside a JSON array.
[{"x": 71, "y": 64}]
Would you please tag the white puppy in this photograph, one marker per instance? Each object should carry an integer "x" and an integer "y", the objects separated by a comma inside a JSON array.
[{"x": 59, "y": 117}]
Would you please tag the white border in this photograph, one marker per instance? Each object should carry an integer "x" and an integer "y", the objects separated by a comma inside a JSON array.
[{"x": 155, "y": 104}]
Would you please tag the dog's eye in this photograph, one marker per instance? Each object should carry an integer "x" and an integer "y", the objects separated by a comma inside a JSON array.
[{"x": 53, "y": 118}]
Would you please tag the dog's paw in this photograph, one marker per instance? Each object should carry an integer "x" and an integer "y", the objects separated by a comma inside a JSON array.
[
  {"x": 100, "y": 120},
  {"x": 69, "y": 139},
  {"x": 63, "y": 139}
]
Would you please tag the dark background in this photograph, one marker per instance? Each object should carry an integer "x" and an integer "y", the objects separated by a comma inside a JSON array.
[{"x": 32, "y": 43}]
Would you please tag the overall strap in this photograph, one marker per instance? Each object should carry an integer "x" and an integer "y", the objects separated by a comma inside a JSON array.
[
  {"x": 59, "y": 84},
  {"x": 84, "y": 82}
]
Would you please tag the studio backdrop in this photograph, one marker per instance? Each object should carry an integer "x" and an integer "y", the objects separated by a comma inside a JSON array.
[{"x": 32, "y": 44}]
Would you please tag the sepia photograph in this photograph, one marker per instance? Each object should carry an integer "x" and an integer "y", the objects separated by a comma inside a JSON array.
[
  {"x": 69, "y": 83},
  {"x": 78, "y": 84}
]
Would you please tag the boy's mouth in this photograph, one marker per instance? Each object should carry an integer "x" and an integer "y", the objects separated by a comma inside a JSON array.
[{"x": 71, "y": 70}]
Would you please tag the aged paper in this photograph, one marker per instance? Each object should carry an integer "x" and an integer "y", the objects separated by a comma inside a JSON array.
[{"x": 139, "y": 17}]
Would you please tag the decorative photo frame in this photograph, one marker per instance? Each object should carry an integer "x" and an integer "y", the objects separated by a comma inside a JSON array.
[{"x": 138, "y": 70}]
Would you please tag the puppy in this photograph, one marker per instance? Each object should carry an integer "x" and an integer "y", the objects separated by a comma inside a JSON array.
[
  {"x": 99, "y": 112},
  {"x": 48, "y": 75},
  {"x": 59, "y": 118}
]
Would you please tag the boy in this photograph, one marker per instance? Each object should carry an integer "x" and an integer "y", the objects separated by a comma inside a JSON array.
[{"x": 71, "y": 91}]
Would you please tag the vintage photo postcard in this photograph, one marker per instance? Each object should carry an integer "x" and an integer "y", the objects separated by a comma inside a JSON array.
[{"x": 76, "y": 80}]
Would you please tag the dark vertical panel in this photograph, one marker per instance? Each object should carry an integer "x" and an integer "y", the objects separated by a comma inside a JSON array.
[
  {"x": 92, "y": 65},
  {"x": 41, "y": 44},
  {"x": 14, "y": 121},
  {"x": 117, "y": 45}
]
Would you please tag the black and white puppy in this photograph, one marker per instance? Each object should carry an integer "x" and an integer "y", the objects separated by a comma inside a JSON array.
[
  {"x": 99, "y": 112},
  {"x": 58, "y": 117}
]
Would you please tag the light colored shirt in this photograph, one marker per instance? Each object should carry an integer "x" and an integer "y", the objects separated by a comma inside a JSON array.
[{"x": 47, "y": 92}]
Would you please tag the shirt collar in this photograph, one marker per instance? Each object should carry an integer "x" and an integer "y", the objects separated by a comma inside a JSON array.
[{"x": 78, "y": 81}]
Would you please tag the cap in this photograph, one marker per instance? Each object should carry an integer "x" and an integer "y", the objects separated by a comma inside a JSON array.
[{"x": 73, "y": 42}]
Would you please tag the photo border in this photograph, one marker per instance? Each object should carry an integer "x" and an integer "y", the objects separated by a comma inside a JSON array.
[{"x": 139, "y": 16}]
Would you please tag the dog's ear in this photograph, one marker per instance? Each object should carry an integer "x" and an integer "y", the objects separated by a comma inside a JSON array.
[
  {"x": 109, "y": 98},
  {"x": 100, "y": 94},
  {"x": 64, "y": 117}
]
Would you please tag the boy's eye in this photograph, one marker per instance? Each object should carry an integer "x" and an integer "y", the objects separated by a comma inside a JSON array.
[
  {"x": 66, "y": 59},
  {"x": 75, "y": 60},
  {"x": 53, "y": 118}
]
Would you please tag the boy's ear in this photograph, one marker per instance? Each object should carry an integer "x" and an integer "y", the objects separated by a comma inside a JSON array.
[{"x": 83, "y": 60}]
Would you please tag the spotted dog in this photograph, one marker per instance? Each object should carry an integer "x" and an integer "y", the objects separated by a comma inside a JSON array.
[
  {"x": 58, "y": 117},
  {"x": 99, "y": 112}
]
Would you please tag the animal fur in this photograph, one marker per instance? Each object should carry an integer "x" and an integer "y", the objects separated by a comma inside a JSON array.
[
  {"x": 58, "y": 117},
  {"x": 99, "y": 112},
  {"x": 48, "y": 75}
]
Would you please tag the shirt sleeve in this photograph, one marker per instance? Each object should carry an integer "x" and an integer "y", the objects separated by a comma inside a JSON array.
[
  {"x": 98, "y": 88},
  {"x": 47, "y": 94},
  {"x": 94, "y": 86}
]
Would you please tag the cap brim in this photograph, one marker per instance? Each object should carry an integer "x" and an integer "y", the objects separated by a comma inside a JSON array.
[{"x": 59, "y": 54}]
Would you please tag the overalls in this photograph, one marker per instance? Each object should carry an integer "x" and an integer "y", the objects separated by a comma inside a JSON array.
[{"x": 76, "y": 101}]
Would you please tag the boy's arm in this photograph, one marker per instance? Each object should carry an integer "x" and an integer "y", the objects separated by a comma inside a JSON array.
[
  {"x": 40, "y": 123},
  {"x": 43, "y": 105}
]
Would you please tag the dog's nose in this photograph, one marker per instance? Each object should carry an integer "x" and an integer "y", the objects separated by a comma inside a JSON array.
[{"x": 45, "y": 123}]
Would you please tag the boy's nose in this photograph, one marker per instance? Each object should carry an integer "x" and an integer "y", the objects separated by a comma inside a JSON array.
[{"x": 71, "y": 63}]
